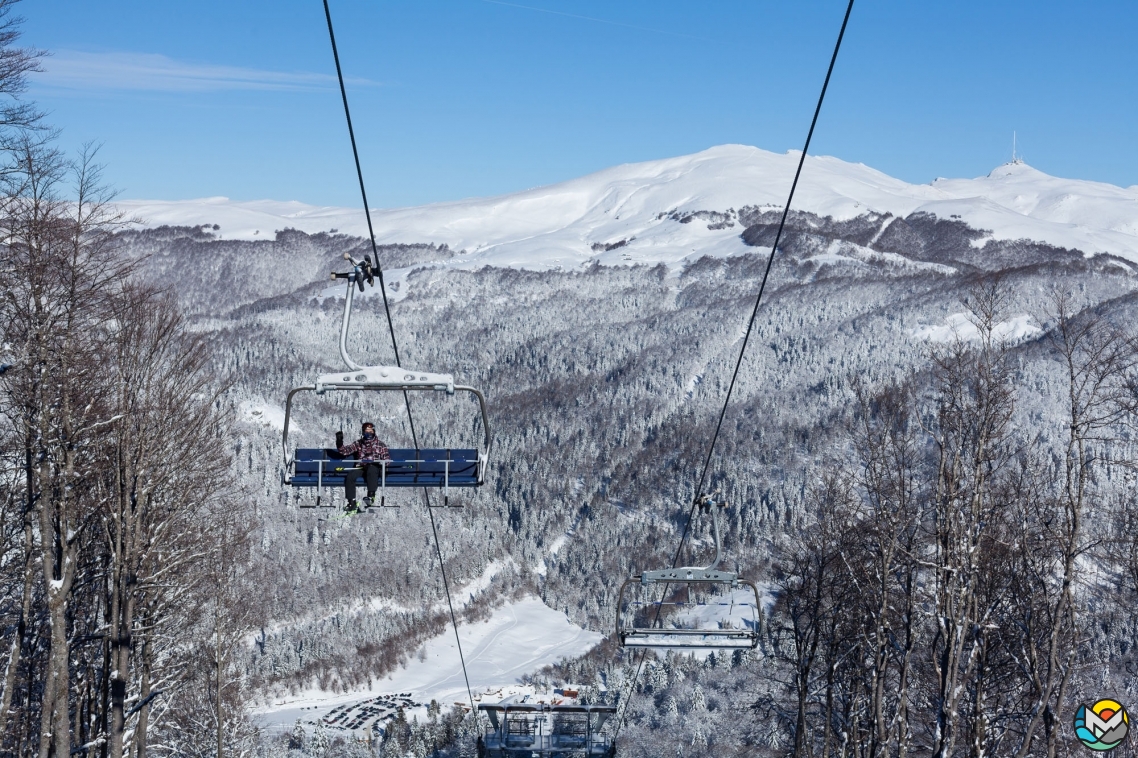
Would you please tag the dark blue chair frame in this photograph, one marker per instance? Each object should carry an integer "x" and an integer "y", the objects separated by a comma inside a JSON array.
[
  {"x": 408, "y": 467},
  {"x": 313, "y": 467}
]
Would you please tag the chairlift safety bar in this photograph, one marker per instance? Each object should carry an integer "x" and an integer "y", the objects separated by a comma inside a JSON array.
[{"x": 400, "y": 386}]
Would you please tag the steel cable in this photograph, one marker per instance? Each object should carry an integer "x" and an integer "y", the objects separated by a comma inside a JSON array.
[
  {"x": 699, "y": 493},
  {"x": 395, "y": 348}
]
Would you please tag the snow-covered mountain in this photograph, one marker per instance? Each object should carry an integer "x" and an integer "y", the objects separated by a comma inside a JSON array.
[
  {"x": 628, "y": 213},
  {"x": 605, "y": 385}
]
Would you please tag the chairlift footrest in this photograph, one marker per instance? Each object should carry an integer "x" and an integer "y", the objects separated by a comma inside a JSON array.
[{"x": 689, "y": 639}]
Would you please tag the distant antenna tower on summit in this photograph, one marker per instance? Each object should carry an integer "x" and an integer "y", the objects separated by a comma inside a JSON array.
[{"x": 1016, "y": 159}]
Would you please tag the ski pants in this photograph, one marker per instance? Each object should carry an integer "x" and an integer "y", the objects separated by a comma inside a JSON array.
[{"x": 371, "y": 476}]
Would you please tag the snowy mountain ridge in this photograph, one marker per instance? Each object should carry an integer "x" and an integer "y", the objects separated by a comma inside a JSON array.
[
  {"x": 605, "y": 384},
  {"x": 643, "y": 212}
]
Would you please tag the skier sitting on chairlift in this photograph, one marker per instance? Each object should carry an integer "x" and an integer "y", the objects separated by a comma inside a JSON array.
[{"x": 369, "y": 449}]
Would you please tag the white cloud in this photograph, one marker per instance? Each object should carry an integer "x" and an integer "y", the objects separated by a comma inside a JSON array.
[{"x": 75, "y": 70}]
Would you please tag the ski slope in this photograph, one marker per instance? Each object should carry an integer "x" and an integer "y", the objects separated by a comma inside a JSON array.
[
  {"x": 627, "y": 209},
  {"x": 519, "y": 638}
]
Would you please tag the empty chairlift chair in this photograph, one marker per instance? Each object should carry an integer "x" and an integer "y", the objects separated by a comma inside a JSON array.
[
  {"x": 441, "y": 468},
  {"x": 731, "y": 604},
  {"x": 539, "y": 729}
]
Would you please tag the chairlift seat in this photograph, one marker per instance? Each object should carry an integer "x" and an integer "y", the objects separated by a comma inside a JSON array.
[
  {"x": 408, "y": 467},
  {"x": 679, "y": 638}
]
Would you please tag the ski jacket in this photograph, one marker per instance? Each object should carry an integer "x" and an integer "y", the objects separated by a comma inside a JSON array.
[{"x": 368, "y": 450}]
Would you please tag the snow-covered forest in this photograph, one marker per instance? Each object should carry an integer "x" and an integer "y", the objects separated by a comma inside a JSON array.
[{"x": 927, "y": 460}]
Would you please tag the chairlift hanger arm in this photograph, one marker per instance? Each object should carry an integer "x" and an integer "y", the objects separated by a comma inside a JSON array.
[
  {"x": 708, "y": 573},
  {"x": 688, "y": 575},
  {"x": 385, "y": 377},
  {"x": 361, "y": 271}
]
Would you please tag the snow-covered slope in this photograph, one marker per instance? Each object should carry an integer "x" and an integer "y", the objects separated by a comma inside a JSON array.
[
  {"x": 634, "y": 210},
  {"x": 519, "y": 638}
]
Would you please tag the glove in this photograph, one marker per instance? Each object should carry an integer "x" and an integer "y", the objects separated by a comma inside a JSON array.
[{"x": 339, "y": 439}]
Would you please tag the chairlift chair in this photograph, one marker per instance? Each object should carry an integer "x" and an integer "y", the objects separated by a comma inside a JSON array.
[
  {"x": 541, "y": 729},
  {"x": 443, "y": 468},
  {"x": 724, "y": 638}
]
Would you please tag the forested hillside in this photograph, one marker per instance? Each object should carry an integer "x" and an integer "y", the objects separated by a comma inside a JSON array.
[
  {"x": 927, "y": 460},
  {"x": 605, "y": 383}
]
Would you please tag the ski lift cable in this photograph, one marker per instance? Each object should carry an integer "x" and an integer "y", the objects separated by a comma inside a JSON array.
[
  {"x": 375, "y": 264},
  {"x": 699, "y": 493}
]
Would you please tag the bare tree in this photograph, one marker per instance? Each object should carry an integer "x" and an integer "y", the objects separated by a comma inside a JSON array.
[
  {"x": 971, "y": 430},
  {"x": 208, "y": 717},
  {"x": 887, "y": 532},
  {"x": 15, "y": 64},
  {"x": 115, "y": 428},
  {"x": 956, "y": 536},
  {"x": 811, "y": 590},
  {"x": 16, "y": 117},
  {"x": 60, "y": 268},
  {"x": 162, "y": 484},
  {"x": 1100, "y": 365}
]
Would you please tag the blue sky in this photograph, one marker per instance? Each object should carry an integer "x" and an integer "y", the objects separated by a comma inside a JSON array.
[{"x": 461, "y": 98}]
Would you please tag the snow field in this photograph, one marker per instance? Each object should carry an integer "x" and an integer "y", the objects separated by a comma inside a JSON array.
[
  {"x": 269, "y": 414},
  {"x": 959, "y": 326},
  {"x": 519, "y": 638},
  {"x": 633, "y": 213}
]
